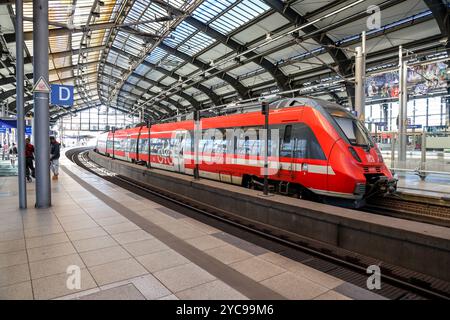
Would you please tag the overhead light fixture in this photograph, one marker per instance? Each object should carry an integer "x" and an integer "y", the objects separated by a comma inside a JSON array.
[{"x": 268, "y": 36}]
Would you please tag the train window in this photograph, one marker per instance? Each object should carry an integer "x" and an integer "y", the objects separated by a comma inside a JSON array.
[
  {"x": 287, "y": 149},
  {"x": 143, "y": 146},
  {"x": 354, "y": 131},
  {"x": 287, "y": 134},
  {"x": 302, "y": 145}
]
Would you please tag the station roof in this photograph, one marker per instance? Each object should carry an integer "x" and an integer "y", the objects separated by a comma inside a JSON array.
[{"x": 166, "y": 56}]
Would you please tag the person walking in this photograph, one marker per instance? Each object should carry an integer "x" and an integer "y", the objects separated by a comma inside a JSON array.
[
  {"x": 13, "y": 154},
  {"x": 29, "y": 157},
  {"x": 54, "y": 157}
]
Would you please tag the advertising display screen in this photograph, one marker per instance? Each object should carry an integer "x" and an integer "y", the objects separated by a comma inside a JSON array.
[{"x": 422, "y": 79}]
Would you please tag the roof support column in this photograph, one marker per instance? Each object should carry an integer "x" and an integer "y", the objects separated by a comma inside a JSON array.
[
  {"x": 41, "y": 104},
  {"x": 19, "y": 105}
]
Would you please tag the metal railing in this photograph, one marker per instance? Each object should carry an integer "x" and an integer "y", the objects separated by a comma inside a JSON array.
[{"x": 427, "y": 153}]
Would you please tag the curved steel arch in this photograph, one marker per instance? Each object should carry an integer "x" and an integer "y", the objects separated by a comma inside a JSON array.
[
  {"x": 194, "y": 103},
  {"x": 212, "y": 96},
  {"x": 343, "y": 62},
  {"x": 281, "y": 79},
  {"x": 239, "y": 87}
]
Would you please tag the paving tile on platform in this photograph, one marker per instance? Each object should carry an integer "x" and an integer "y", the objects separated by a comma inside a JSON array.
[
  {"x": 162, "y": 260},
  {"x": 18, "y": 291},
  {"x": 51, "y": 251},
  {"x": 131, "y": 236},
  {"x": 121, "y": 227},
  {"x": 94, "y": 243},
  {"x": 12, "y": 245},
  {"x": 53, "y": 266},
  {"x": 14, "y": 274},
  {"x": 104, "y": 255},
  {"x": 183, "y": 277},
  {"x": 215, "y": 290},
  {"x": 293, "y": 287},
  {"x": 169, "y": 297},
  {"x": 57, "y": 285},
  {"x": 150, "y": 287},
  {"x": 205, "y": 242},
  {"x": 42, "y": 231},
  {"x": 332, "y": 295},
  {"x": 86, "y": 233},
  {"x": 110, "y": 220},
  {"x": 13, "y": 258},
  {"x": 144, "y": 247},
  {"x": 117, "y": 271},
  {"x": 11, "y": 235},
  {"x": 228, "y": 254},
  {"x": 257, "y": 269},
  {"x": 125, "y": 292},
  {"x": 46, "y": 240}
]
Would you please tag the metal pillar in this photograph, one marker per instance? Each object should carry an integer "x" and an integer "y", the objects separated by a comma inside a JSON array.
[
  {"x": 197, "y": 137},
  {"x": 19, "y": 105},
  {"x": 393, "y": 147},
  {"x": 41, "y": 108},
  {"x": 265, "y": 111},
  {"x": 423, "y": 155},
  {"x": 360, "y": 76},
  {"x": 149, "y": 143},
  {"x": 403, "y": 100}
]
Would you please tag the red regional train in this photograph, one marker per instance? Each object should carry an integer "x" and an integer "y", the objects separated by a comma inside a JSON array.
[{"x": 324, "y": 152}]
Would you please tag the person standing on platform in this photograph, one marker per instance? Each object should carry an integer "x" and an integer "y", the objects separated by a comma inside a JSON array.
[
  {"x": 13, "y": 154},
  {"x": 54, "y": 157},
  {"x": 29, "y": 157}
]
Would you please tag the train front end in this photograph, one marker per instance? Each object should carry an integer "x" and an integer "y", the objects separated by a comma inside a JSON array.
[{"x": 357, "y": 160}]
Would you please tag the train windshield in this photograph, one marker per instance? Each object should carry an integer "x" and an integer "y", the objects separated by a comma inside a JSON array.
[{"x": 355, "y": 131}]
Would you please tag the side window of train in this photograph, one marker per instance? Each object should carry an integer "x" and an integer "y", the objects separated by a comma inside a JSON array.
[
  {"x": 143, "y": 145},
  {"x": 306, "y": 145},
  {"x": 286, "y": 149}
]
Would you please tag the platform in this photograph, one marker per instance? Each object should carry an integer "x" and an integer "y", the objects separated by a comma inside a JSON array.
[
  {"x": 437, "y": 186},
  {"x": 166, "y": 255}
]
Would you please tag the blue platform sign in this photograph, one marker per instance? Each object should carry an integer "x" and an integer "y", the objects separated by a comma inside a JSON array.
[
  {"x": 414, "y": 126},
  {"x": 28, "y": 130},
  {"x": 61, "y": 95}
]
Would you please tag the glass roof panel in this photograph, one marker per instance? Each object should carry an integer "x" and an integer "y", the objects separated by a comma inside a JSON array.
[
  {"x": 239, "y": 15},
  {"x": 196, "y": 44},
  {"x": 209, "y": 9}
]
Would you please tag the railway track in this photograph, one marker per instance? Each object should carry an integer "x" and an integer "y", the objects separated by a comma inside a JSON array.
[
  {"x": 417, "y": 208},
  {"x": 397, "y": 282}
]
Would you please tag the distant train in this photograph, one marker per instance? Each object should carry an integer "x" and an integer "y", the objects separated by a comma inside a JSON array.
[{"x": 323, "y": 151}]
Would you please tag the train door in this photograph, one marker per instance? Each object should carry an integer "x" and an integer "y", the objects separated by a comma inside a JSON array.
[
  {"x": 287, "y": 145},
  {"x": 178, "y": 151},
  {"x": 127, "y": 147}
]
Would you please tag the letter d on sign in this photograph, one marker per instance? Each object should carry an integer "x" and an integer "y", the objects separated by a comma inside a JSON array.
[
  {"x": 64, "y": 94},
  {"x": 74, "y": 280},
  {"x": 374, "y": 281}
]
